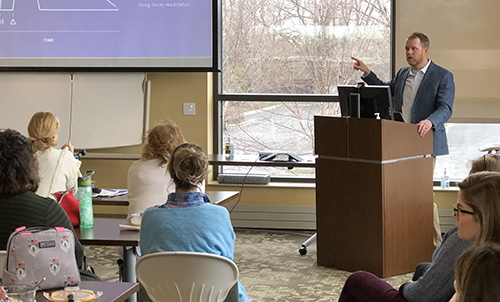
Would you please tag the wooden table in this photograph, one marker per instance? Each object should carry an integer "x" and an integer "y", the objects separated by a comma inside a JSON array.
[
  {"x": 112, "y": 291},
  {"x": 106, "y": 232},
  {"x": 216, "y": 197}
]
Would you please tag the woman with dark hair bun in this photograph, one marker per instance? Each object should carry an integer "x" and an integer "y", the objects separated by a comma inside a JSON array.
[
  {"x": 19, "y": 204},
  {"x": 186, "y": 222}
]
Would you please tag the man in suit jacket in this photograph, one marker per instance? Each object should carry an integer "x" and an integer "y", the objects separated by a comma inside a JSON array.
[{"x": 423, "y": 92}]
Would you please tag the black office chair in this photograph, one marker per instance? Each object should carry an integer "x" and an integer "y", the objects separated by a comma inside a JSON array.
[{"x": 303, "y": 249}]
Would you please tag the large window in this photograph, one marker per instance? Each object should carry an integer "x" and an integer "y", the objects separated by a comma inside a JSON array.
[
  {"x": 464, "y": 141},
  {"x": 282, "y": 61}
]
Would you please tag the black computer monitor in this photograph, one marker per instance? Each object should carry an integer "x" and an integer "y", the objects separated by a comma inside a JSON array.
[{"x": 365, "y": 101}]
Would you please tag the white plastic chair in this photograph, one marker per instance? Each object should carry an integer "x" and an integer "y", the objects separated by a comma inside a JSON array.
[
  {"x": 3, "y": 256},
  {"x": 186, "y": 276},
  {"x": 490, "y": 148}
]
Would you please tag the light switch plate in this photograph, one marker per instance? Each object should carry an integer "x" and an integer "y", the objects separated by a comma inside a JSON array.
[{"x": 188, "y": 108}]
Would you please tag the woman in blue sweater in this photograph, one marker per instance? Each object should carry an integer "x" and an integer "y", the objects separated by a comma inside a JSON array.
[{"x": 186, "y": 222}]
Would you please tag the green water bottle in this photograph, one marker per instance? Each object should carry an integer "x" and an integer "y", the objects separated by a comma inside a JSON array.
[{"x": 84, "y": 195}]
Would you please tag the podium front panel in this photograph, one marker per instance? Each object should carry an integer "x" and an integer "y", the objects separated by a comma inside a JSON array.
[
  {"x": 408, "y": 215},
  {"x": 349, "y": 215},
  {"x": 373, "y": 216},
  {"x": 373, "y": 195}
]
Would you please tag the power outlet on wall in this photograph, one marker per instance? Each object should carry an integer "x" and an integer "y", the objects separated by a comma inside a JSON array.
[{"x": 188, "y": 108}]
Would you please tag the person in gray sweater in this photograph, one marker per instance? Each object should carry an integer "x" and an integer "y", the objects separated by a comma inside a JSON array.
[
  {"x": 436, "y": 283},
  {"x": 433, "y": 282}
]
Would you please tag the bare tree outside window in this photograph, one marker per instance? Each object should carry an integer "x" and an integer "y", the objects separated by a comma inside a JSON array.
[{"x": 294, "y": 47}]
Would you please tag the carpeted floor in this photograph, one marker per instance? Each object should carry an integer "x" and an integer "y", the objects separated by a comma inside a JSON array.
[{"x": 271, "y": 268}]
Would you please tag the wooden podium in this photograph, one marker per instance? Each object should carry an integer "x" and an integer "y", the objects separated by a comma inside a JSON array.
[{"x": 374, "y": 195}]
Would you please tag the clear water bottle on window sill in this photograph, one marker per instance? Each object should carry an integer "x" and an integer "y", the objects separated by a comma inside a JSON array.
[
  {"x": 445, "y": 180},
  {"x": 229, "y": 149}
]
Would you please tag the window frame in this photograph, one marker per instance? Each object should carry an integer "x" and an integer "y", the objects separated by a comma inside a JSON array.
[{"x": 219, "y": 96}]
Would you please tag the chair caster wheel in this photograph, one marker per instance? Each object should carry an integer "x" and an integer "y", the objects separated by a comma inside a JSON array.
[{"x": 303, "y": 250}]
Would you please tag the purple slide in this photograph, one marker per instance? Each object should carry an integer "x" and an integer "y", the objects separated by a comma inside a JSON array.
[{"x": 127, "y": 33}]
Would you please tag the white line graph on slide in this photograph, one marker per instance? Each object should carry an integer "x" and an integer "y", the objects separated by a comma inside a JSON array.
[{"x": 65, "y": 6}]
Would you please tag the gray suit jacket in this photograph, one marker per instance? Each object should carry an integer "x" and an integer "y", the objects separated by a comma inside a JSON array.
[{"x": 433, "y": 101}]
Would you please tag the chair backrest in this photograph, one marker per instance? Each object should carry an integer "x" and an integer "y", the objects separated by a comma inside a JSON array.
[
  {"x": 186, "y": 276},
  {"x": 490, "y": 148},
  {"x": 3, "y": 256}
]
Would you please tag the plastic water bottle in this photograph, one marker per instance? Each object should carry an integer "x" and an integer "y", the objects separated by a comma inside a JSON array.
[
  {"x": 84, "y": 195},
  {"x": 445, "y": 180},
  {"x": 229, "y": 149}
]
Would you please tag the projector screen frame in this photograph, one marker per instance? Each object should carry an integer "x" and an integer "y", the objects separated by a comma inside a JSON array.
[{"x": 215, "y": 40}]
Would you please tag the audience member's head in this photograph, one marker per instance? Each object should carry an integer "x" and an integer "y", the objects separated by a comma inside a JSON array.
[
  {"x": 188, "y": 166},
  {"x": 477, "y": 274},
  {"x": 43, "y": 130},
  {"x": 18, "y": 165},
  {"x": 162, "y": 140},
  {"x": 487, "y": 162},
  {"x": 478, "y": 208}
]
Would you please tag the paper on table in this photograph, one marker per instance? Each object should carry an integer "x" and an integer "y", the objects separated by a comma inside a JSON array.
[
  {"x": 110, "y": 193},
  {"x": 129, "y": 227}
]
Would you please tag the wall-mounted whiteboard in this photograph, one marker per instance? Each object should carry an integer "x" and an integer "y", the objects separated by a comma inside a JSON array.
[{"x": 96, "y": 110}]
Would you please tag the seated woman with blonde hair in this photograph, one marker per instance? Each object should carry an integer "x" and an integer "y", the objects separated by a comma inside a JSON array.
[
  {"x": 186, "y": 222},
  {"x": 58, "y": 168},
  {"x": 148, "y": 181}
]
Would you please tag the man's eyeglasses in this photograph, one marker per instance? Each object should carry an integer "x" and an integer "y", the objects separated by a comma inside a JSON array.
[{"x": 457, "y": 210}]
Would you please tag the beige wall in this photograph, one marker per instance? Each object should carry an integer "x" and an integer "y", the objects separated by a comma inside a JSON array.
[
  {"x": 463, "y": 39},
  {"x": 273, "y": 194},
  {"x": 168, "y": 92}
]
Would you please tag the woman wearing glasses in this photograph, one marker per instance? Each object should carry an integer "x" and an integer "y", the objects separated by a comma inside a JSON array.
[
  {"x": 478, "y": 220},
  {"x": 432, "y": 282},
  {"x": 480, "y": 193}
]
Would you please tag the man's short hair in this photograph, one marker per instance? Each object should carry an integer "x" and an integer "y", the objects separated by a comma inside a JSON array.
[{"x": 424, "y": 40}]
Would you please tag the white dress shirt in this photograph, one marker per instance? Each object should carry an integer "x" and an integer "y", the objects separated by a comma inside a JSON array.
[{"x": 410, "y": 91}]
